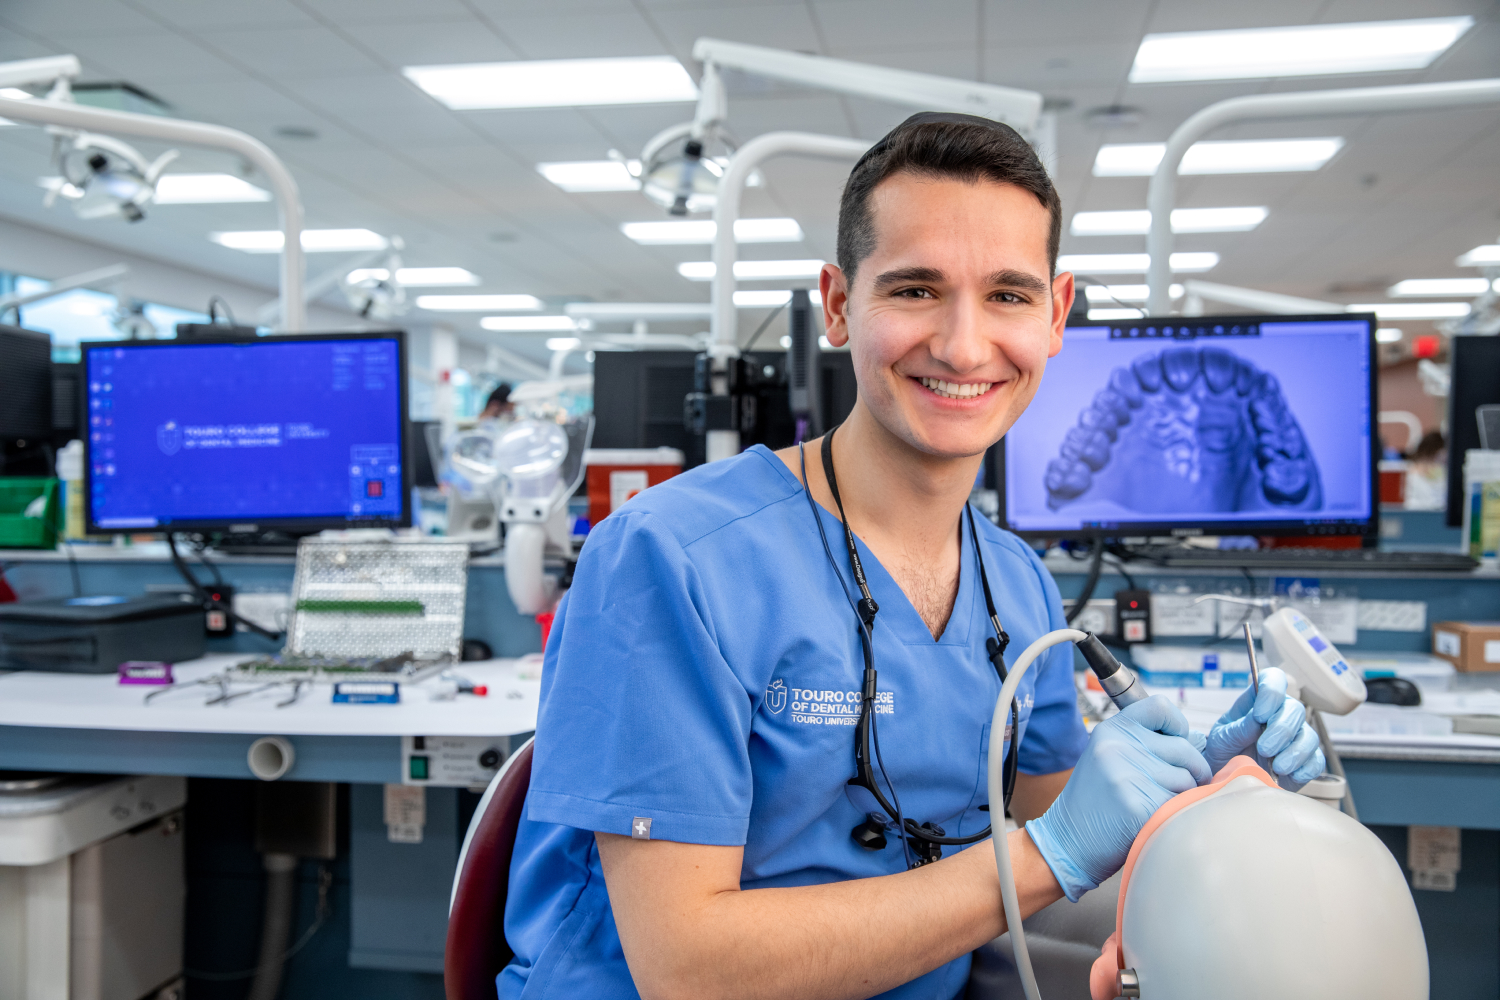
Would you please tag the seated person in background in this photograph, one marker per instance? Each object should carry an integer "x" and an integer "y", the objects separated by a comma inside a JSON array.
[{"x": 498, "y": 406}]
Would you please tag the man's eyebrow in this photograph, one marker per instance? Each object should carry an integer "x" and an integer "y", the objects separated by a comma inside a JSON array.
[
  {"x": 1011, "y": 278},
  {"x": 904, "y": 274}
]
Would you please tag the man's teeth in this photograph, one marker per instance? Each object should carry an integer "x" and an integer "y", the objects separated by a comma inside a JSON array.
[{"x": 957, "y": 390}]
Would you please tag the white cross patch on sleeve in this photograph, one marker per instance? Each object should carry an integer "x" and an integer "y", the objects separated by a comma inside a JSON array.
[{"x": 640, "y": 828}]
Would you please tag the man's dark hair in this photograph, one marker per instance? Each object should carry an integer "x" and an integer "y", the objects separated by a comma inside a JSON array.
[
  {"x": 499, "y": 397},
  {"x": 932, "y": 144}
]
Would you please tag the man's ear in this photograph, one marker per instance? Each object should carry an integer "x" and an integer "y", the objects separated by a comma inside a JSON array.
[
  {"x": 1062, "y": 304},
  {"x": 835, "y": 292}
]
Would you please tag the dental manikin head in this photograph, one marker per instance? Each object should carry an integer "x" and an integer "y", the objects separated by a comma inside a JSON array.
[
  {"x": 1239, "y": 890},
  {"x": 944, "y": 289}
]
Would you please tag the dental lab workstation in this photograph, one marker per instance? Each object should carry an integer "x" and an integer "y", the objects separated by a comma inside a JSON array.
[{"x": 655, "y": 500}]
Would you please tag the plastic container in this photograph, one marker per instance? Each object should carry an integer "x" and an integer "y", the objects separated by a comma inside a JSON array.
[
  {"x": 18, "y": 531},
  {"x": 1481, "y": 522},
  {"x": 617, "y": 474}
]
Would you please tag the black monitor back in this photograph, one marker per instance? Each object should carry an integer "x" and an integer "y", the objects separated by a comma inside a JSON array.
[
  {"x": 25, "y": 402},
  {"x": 1475, "y": 383},
  {"x": 638, "y": 399}
]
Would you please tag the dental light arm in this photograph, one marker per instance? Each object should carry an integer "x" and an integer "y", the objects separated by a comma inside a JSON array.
[
  {"x": 1019, "y": 109},
  {"x": 69, "y": 115},
  {"x": 103, "y": 276}
]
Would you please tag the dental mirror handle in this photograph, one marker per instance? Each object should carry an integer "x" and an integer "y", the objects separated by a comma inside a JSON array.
[{"x": 1117, "y": 680}]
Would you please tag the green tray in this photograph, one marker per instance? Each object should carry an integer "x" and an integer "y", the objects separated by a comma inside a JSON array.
[{"x": 20, "y": 532}]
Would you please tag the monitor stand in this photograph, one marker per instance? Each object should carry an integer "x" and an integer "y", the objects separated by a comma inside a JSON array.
[{"x": 271, "y": 543}]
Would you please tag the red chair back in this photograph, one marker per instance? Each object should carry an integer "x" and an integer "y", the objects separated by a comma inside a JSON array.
[{"x": 476, "y": 950}]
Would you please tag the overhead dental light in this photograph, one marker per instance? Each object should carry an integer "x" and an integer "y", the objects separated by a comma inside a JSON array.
[
  {"x": 110, "y": 177},
  {"x": 679, "y": 172},
  {"x": 375, "y": 294}
]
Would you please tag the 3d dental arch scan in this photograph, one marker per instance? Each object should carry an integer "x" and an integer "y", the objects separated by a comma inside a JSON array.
[{"x": 1238, "y": 422}]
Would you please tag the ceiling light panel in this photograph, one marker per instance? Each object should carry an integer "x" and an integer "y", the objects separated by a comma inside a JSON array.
[
  {"x": 1300, "y": 50},
  {"x": 753, "y": 270},
  {"x": 529, "y": 324},
  {"x": 1136, "y": 222},
  {"x": 418, "y": 277},
  {"x": 1482, "y": 256},
  {"x": 1388, "y": 335},
  {"x": 583, "y": 176},
  {"x": 1234, "y": 156},
  {"x": 1133, "y": 263},
  {"x": 206, "y": 189},
  {"x": 761, "y": 299},
  {"x": 1124, "y": 293},
  {"x": 479, "y": 303},
  {"x": 313, "y": 240},
  {"x": 1413, "y": 310},
  {"x": 563, "y": 343},
  {"x": 700, "y": 231},
  {"x": 1439, "y": 286},
  {"x": 556, "y": 83}
]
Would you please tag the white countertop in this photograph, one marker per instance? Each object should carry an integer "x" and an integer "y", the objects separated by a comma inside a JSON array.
[{"x": 98, "y": 701}]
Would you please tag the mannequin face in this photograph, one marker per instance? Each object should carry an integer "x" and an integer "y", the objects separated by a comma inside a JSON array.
[{"x": 952, "y": 317}]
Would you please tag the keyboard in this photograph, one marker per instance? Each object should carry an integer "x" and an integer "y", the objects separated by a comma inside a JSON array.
[{"x": 1189, "y": 557}]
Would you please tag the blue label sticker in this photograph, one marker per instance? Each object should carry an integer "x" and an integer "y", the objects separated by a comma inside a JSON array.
[{"x": 1297, "y": 586}]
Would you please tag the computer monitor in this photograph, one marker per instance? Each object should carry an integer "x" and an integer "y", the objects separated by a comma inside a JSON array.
[
  {"x": 1224, "y": 425},
  {"x": 25, "y": 402},
  {"x": 252, "y": 436},
  {"x": 638, "y": 397},
  {"x": 1475, "y": 364}
]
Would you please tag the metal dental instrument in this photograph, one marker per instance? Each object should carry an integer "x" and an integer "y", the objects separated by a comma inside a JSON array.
[{"x": 1254, "y": 667}]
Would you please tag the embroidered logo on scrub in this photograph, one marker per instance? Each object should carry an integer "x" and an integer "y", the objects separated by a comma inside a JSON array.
[{"x": 812, "y": 707}]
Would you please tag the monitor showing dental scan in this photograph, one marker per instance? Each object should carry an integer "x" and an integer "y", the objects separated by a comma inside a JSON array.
[
  {"x": 247, "y": 435},
  {"x": 1223, "y": 425}
]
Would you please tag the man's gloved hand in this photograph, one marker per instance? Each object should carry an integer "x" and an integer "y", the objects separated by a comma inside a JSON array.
[
  {"x": 1134, "y": 762},
  {"x": 1275, "y": 725}
]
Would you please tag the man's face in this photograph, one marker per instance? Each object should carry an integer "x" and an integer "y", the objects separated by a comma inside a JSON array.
[{"x": 952, "y": 318}]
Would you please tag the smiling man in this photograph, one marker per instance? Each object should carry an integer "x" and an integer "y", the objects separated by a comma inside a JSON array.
[{"x": 760, "y": 759}]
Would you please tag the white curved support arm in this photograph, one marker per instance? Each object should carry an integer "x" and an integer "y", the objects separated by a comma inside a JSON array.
[
  {"x": 283, "y": 186},
  {"x": 1364, "y": 100},
  {"x": 723, "y": 343}
]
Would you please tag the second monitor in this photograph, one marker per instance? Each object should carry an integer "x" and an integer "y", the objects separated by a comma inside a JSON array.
[{"x": 1225, "y": 425}]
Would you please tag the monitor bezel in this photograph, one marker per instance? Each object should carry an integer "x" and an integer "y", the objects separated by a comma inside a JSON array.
[
  {"x": 294, "y": 526},
  {"x": 1368, "y": 529}
]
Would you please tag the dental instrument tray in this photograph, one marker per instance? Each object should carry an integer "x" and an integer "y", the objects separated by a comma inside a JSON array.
[{"x": 365, "y": 607}]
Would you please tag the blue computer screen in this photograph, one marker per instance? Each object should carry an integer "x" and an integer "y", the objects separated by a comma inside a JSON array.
[
  {"x": 1151, "y": 427},
  {"x": 245, "y": 432}
]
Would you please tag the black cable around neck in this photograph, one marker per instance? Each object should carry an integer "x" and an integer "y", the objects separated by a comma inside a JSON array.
[{"x": 867, "y": 606}]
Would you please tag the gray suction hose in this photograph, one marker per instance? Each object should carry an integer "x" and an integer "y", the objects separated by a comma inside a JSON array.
[
  {"x": 281, "y": 886},
  {"x": 997, "y": 797}
]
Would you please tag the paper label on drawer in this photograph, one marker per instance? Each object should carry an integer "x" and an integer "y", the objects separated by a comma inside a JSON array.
[
  {"x": 1492, "y": 651},
  {"x": 1446, "y": 643}
]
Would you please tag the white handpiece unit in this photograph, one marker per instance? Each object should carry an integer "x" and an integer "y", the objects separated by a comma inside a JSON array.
[{"x": 1294, "y": 644}]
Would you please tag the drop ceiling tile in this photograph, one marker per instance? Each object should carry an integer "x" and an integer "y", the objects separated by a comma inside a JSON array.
[
  {"x": 194, "y": 14},
  {"x": 581, "y": 35},
  {"x": 147, "y": 59},
  {"x": 14, "y": 45},
  {"x": 894, "y": 24},
  {"x": 104, "y": 17},
  {"x": 1195, "y": 15},
  {"x": 346, "y": 13},
  {"x": 291, "y": 53},
  {"x": 435, "y": 42},
  {"x": 229, "y": 95},
  {"x": 958, "y": 60},
  {"x": 788, "y": 28},
  {"x": 1059, "y": 23}
]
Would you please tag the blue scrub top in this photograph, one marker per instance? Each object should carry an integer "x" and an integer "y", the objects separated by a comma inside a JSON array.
[{"x": 704, "y": 674}]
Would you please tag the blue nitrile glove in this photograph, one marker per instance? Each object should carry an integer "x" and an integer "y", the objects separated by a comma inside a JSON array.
[
  {"x": 1134, "y": 762},
  {"x": 1275, "y": 725}
]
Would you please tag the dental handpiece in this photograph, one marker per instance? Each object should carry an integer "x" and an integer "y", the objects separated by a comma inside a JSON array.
[{"x": 1117, "y": 680}]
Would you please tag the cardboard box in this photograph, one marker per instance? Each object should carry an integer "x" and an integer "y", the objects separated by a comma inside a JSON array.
[{"x": 1472, "y": 647}]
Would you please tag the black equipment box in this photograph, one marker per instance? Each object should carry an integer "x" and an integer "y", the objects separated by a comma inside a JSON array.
[{"x": 94, "y": 635}]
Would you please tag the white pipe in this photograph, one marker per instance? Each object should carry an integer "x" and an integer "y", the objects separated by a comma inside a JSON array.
[
  {"x": 996, "y": 785},
  {"x": 283, "y": 186},
  {"x": 727, "y": 211},
  {"x": 1254, "y": 298},
  {"x": 330, "y": 279},
  {"x": 103, "y": 276},
  {"x": 1363, "y": 100}
]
